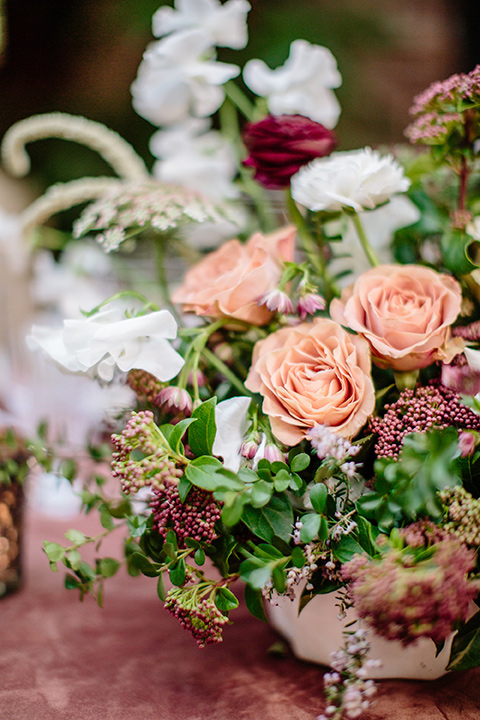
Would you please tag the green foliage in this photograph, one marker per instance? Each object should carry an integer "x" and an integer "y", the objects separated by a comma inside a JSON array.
[
  {"x": 465, "y": 652},
  {"x": 201, "y": 435},
  {"x": 407, "y": 488}
]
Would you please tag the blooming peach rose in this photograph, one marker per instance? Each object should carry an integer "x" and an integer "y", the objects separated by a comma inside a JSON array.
[
  {"x": 229, "y": 281},
  {"x": 405, "y": 313},
  {"x": 313, "y": 373}
]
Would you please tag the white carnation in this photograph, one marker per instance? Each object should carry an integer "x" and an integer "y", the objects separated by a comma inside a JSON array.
[{"x": 359, "y": 180}]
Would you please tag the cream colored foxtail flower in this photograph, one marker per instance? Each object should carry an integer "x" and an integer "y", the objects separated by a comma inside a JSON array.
[{"x": 113, "y": 149}]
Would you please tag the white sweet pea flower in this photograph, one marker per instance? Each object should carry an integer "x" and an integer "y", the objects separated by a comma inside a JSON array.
[
  {"x": 175, "y": 79},
  {"x": 224, "y": 25},
  {"x": 358, "y": 180},
  {"x": 106, "y": 341},
  {"x": 232, "y": 422},
  {"x": 379, "y": 225},
  {"x": 204, "y": 163},
  {"x": 473, "y": 358},
  {"x": 303, "y": 85}
]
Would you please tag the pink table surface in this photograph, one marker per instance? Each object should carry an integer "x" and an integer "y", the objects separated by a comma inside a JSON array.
[{"x": 65, "y": 660}]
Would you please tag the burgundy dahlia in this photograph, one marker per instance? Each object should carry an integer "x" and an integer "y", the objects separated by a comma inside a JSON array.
[{"x": 278, "y": 146}]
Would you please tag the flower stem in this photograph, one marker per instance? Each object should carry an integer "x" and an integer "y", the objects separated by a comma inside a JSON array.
[
  {"x": 222, "y": 368},
  {"x": 240, "y": 100},
  {"x": 162, "y": 276},
  {"x": 372, "y": 258},
  {"x": 464, "y": 172}
]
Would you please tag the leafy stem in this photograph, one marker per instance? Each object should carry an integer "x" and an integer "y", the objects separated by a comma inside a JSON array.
[{"x": 372, "y": 258}]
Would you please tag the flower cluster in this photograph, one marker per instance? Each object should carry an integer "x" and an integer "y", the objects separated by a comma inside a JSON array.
[
  {"x": 199, "y": 615},
  {"x": 463, "y": 515},
  {"x": 194, "y": 518},
  {"x": 416, "y": 411},
  {"x": 403, "y": 597}
]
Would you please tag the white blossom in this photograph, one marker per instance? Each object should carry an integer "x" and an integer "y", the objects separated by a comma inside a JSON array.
[
  {"x": 232, "y": 423},
  {"x": 225, "y": 25},
  {"x": 175, "y": 79},
  {"x": 200, "y": 161},
  {"x": 303, "y": 85},
  {"x": 358, "y": 180},
  {"x": 106, "y": 341}
]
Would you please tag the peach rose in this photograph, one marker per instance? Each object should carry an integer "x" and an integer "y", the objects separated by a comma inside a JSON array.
[
  {"x": 405, "y": 313},
  {"x": 313, "y": 373},
  {"x": 229, "y": 281}
]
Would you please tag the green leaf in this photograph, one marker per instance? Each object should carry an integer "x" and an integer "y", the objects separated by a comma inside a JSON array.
[
  {"x": 323, "y": 529},
  {"x": 71, "y": 582},
  {"x": 107, "y": 567},
  {"x": 465, "y": 652},
  {"x": 86, "y": 572},
  {"x": 178, "y": 432},
  {"x": 172, "y": 539},
  {"x": 320, "y": 586},
  {"x": 276, "y": 518},
  {"x": 225, "y": 600},
  {"x": 199, "y": 556},
  {"x": 74, "y": 559},
  {"x": 254, "y": 603},
  {"x": 298, "y": 558},
  {"x": 143, "y": 563},
  {"x": 310, "y": 527},
  {"x": 279, "y": 580},
  {"x": 318, "y": 497},
  {"x": 201, "y": 435},
  {"x": 207, "y": 473},
  {"x": 77, "y": 537},
  {"x": 183, "y": 487},
  {"x": 231, "y": 514},
  {"x": 54, "y": 551},
  {"x": 346, "y": 548},
  {"x": 300, "y": 462},
  {"x": 259, "y": 577},
  {"x": 106, "y": 519},
  {"x": 261, "y": 493},
  {"x": 177, "y": 572},
  {"x": 282, "y": 480},
  {"x": 161, "y": 592}
]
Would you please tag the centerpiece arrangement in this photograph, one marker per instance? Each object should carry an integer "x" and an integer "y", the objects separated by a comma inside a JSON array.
[{"x": 307, "y": 417}]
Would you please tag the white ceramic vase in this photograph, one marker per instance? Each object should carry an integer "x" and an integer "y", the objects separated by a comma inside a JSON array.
[{"x": 317, "y": 632}]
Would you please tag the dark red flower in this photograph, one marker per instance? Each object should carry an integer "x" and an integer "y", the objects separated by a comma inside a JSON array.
[{"x": 278, "y": 146}]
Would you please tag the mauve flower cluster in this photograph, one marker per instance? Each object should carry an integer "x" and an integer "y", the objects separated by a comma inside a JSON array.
[
  {"x": 279, "y": 146},
  {"x": 195, "y": 518},
  {"x": 200, "y": 617},
  {"x": 144, "y": 385},
  {"x": 463, "y": 512},
  {"x": 418, "y": 410},
  {"x": 153, "y": 467},
  {"x": 403, "y": 598},
  {"x": 445, "y": 107}
]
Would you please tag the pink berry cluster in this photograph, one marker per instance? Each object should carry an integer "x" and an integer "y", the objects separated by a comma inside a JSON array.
[
  {"x": 144, "y": 385},
  {"x": 153, "y": 466},
  {"x": 403, "y": 599},
  {"x": 418, "y": 410},
  {"x": 200, "y": 617},
  {"x": 195, "y": 518}
]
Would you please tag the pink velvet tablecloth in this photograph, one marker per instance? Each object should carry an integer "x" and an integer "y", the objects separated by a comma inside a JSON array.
[{"x": 65, "y": 660}]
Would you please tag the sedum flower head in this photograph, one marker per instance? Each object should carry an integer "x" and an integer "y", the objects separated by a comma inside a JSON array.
[
  {"x": 194, "y": 518},
  {"x": 357, "y": 180},
  {"x": 303, "y": 85},
  {"x": 197, "y": 613},
  {"x": 404, "y": 598}
]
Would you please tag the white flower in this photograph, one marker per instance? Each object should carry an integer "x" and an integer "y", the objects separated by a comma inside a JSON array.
[
  {"x": 379, "y": 225},
  {"x": 204, "y": 163},
  {"x": 99, "y": 344},
  {"x": 175, "y": 79},
  {"x": 473, "y": 228},
  {"x": 232, "y": 423},
  {"x": 224, "y": 25},
  {"x": 360, "y": 180},
  {"x": 303, "y": 85}
]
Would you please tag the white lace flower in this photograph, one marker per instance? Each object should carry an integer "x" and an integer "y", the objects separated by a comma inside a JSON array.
[
  {"x": 360, "y": 180},
  {"x": 100, "y": 344},
  {"x": 303, "y": 85},
  {"x": 175, "y": 79},
  {"x": 204, "y": 163},
  {"x": 225, "y": 25},
  {"x": 232, "y": 424}
]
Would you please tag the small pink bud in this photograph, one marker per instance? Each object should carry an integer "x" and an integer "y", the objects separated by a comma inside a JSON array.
[
  {"x": 277, "y": 301},
  {"x": 466, "y": 443},
  {"x": 273, "y": 454},
  {"x": 249, "y": 449},
  {"x": 309, "y": 304},
  {"x": 175, "y": 397}
]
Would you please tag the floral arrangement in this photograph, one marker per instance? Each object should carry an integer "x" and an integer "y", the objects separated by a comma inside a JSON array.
[{"x": 307, "y": 416}]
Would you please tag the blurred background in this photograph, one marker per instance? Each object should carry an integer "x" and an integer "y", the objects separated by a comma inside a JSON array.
[{"x": 81, "y": 56}]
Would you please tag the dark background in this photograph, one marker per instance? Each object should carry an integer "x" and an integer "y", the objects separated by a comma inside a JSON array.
[{"x": 80, "y": 56}]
